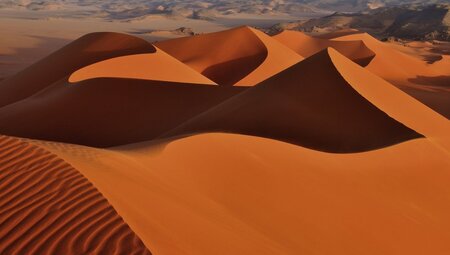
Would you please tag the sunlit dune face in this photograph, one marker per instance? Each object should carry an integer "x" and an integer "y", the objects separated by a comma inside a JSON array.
[
  {"x": 241, "y": 57},
  {"x": 225, "y": 57},
  {"x": 151, "y": 66},
  {"x": 306, "y": 46}
]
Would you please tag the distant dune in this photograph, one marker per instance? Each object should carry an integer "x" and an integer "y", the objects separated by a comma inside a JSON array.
[
  {"x": 306, "y": 46},
  {"x": 232, "y": 142},
  {"x": 240, "y": 56},
  {"x": 403, "y": 70}
]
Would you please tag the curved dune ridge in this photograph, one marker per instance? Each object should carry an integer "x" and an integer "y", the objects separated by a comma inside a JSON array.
[
  {"x": 233, "y": 194},
  {"x": 307, "y": 46},
  {"x": 226, "y": 143},
  {"x": 310, "y": 104},
  {"x": 157, "y": 66},
  {"x": 48, "y": 207},
  {"x": 423, "y": 81},
  {"x": 84, "y": 51},
  {"x": 239, "y": 56}
]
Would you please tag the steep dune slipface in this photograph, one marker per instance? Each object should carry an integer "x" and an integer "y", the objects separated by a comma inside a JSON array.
[
  {"x": 307, "y": 46},
  {"x": 310, "y": 104},
  {"x": 86, "y": 50},
  {"x": 109, "y": 111},
  {"x": 48, "y": 207},
  {"x": 239, "y": 56},
  {"x": 233, "y": 194},
  {"x": 415, "y": 77},
  {"x": 157, "y": 66}
]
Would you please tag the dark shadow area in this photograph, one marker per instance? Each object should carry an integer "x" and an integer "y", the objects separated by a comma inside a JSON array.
[
  {"x": 364, "y": 61},
  {"x": 230, "y": 72},
  {"x": 310, "y": 105},
  {"x": 104, "y": 112},
  {"x": 441, "y": 82},
  {"x": 430, "y": 59}
]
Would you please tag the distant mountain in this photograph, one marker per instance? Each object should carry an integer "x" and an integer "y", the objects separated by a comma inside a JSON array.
[
  {"x": 136, "y": 9},
  {"x": 413, "y": 22},
  {"x": 199, "y": 9}
]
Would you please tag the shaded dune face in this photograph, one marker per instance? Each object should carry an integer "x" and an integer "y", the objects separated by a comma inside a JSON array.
[
  {"x": 307, "y": 46},
  {"x": 309, "y": 104},
  {"x": 106, "y": 112},
  {"x": 86, "y": 50},
  {"x": 48, "y": 207},
  {"x": 224, "y": 57}
]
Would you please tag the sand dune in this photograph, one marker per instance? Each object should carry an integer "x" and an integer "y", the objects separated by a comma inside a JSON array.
[
  {"x": 310, "y": 104},
  {"x": 225, "y": 193},
  {"x": 48, "y": 207},
  {"x": 225, "y": 143},
  {"x": 157, "y": 66},
  {"x": 405, "y": 72},
  {"x": 109, "y": 111},
  {"x": 84, "y": 51},
  {"x": 239, "y": 56},
  {"x": 307, "y": 46}
]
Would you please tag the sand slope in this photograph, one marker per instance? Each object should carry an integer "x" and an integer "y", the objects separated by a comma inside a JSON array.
[
  {"x": 312, "y": 104},
  {"x": 306, "y": 46},
  {"x": 279, "y": 155},
  {"x": 239, "y": 56},
  {"x": 48, "y": 207},
  {"x": 417, "y": 78},
  {"x": 86, "y": 50},
  {"x": 157, "y": 66},
  {"x": 224, "y": 193},
  {"x": 109, "y": 111}
]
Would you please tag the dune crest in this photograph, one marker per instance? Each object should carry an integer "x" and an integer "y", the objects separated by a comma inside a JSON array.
[
  {"x": 104, "y": 112},
  {"x": 417, "y": 78},
  {"x": 306, "y": 46},
  {"x": 84, "y": 51},
  {"x": 157, "y": 66},
  {"x": 48, "y": 207},
  {"x": 309, "y": 104},
  {"x": 239, "y": 56},
  {"x": 228, "y": 193}
]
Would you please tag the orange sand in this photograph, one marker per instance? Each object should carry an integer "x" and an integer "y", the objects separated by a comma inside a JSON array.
[{"x": 314, "y": 151}]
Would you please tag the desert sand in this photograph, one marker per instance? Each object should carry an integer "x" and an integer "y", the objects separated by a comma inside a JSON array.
[
  {"x": 231, "y": 142},
  {"x": 48, "y": 207},
  {"x": 241, "y": 56}
]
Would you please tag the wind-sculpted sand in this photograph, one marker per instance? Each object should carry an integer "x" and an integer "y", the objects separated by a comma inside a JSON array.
[
  {"x": 48, "y": 207},
  {"x": 241, "y": 56},
  {"x": 232, "y": 142}
]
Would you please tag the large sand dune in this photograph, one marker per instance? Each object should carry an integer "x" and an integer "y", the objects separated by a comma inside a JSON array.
[
  {"x": 240, "y": 56},
  {"x": 227, "y": 193},
  {"x": 325, "y": 102},
  {"x": 105, "y": 112},
  {"x": 226, "y": 143},
  {"x": 307, "y": 46},
  {"x": 157, "y": 66},
  {"x": 88, "y": 49},
  {"x": 419, "y": 79}
]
